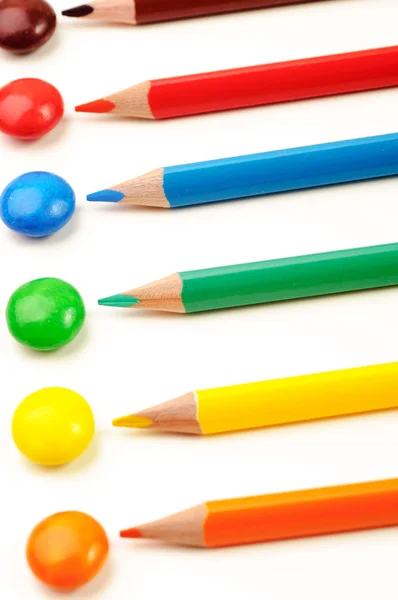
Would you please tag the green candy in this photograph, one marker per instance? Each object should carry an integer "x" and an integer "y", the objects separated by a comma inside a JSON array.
[{"x": 45, "y": 314}]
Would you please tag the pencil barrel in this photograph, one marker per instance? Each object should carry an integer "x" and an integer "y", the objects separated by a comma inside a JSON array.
[
  {"x": 281, "y": 171},
  {"x": 290, "y": 278},
  {"x": 301, "y": 514},
  {"x": 295, "y": 399},
  {"x": 151, "y": 11},
  {"x": 272, "y": 83}
]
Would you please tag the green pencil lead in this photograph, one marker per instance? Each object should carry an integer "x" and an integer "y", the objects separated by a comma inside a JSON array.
[{"x": 120, "y": 300}]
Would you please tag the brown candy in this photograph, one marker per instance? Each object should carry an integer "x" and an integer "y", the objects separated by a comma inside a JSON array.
[{"x": 25, "y": 25}]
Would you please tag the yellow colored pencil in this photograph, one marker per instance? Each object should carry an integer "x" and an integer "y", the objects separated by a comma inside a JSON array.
[{"x": 274, "y": 402}]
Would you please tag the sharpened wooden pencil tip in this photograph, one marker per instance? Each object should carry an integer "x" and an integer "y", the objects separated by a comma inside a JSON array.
[
  {"x": 134, "y": 421},
  {"x": 134, "y": 532}
]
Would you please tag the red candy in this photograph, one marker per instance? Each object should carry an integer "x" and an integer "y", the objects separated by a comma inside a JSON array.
[{"x": 29, "y": 108}]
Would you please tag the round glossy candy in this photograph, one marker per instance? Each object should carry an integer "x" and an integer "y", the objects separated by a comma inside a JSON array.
[
  {"x": 25, "y": 25},
  {"x": 45, "y": 314},
  {"x": 66, "y": 550},
  {"x": 53, "y": 426},
  {"x": 29, "y": 108},
  {"x": 37, "y": 204}
]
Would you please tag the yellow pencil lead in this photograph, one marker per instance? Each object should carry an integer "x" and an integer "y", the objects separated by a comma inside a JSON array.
[{"x": 133, "y": 421}]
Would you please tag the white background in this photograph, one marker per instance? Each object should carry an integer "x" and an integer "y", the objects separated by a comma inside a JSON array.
[{"x": 124, "y": 360}]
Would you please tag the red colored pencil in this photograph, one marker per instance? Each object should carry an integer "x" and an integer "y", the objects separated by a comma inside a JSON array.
[
  {"x": 137, "y": 12},
  {"x": 253, "y": 86}
]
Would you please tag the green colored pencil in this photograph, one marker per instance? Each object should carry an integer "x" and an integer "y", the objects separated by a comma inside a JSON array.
[{"x": 267, "y": 281}]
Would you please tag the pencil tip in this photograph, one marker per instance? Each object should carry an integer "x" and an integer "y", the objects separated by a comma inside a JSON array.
[
  {"x": 119, "y": 300},
  {"x": 78, "y": 11},
  {"x": 134, "y": 532},
  {"x": 133, "y": 421},
  {"x": 97, "y": 106},
  {"x": 105, "y": 196}
]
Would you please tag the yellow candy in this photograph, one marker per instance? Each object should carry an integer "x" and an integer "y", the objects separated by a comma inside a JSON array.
[{"x": 53, "y": 426}]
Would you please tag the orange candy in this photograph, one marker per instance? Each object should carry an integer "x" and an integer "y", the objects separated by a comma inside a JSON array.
[{"x": 66, "y": 550}]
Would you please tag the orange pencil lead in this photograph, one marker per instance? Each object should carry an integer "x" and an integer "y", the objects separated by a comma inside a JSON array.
[{"x": 134, "y": 532}]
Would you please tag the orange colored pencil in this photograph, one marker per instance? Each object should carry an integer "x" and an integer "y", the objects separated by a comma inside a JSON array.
[{"x": 278, "y": 516}]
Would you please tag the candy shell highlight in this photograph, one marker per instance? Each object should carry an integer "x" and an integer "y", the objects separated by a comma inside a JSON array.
[
  {"x": 53, "y": 426},
  {"x": 45, "y": 314},
  {"x": 37, "y": 204},
  {"x": 67, "y": 550}
]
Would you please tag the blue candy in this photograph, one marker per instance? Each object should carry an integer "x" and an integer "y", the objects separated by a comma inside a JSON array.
[{"x": 37, "y": 204}]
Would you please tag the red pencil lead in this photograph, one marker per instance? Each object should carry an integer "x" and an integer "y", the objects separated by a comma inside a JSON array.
[{"x": 97, "y": 106}]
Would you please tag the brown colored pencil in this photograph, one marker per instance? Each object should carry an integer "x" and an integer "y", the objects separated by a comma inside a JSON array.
[{"x": 137, "y": 12}]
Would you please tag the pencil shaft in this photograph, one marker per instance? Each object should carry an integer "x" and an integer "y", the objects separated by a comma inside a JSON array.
[
  {"x": 301, "y": 514},
  {"x": 281, "y": 170},
  {"x": 281, "y": 516},
  {"x": 150, "y": 11},
  {"x": 268, "y": 84},
  {"x": 297, "y": 399},
  {"x": 290, "y": 278}
]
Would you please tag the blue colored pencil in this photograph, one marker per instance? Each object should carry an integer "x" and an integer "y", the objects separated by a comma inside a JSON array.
[{"x": 259, "y": 174}]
